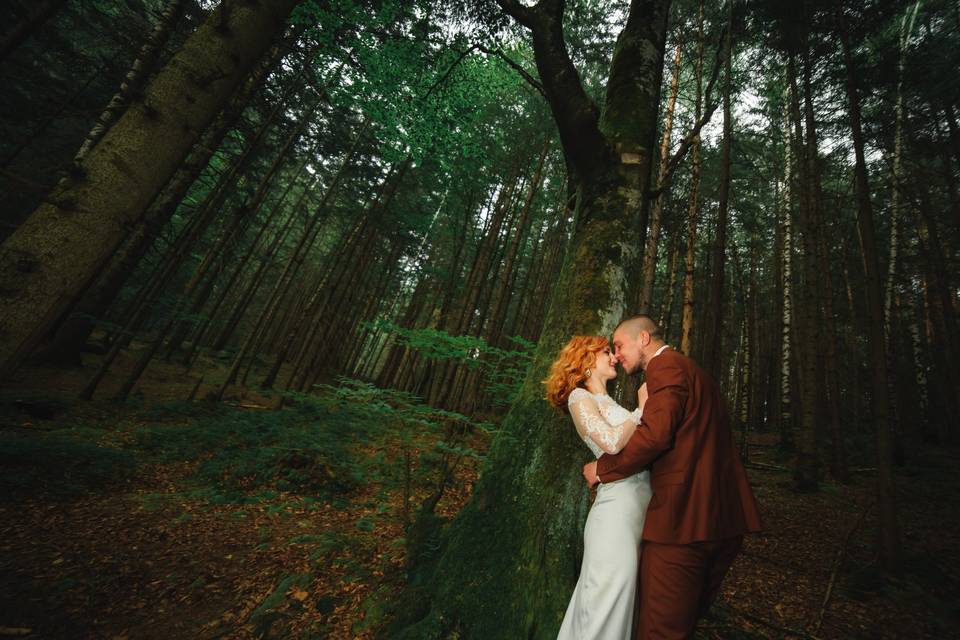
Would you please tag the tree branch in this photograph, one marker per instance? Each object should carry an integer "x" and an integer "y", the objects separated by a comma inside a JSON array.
[
  {"x": 687, "y": 141},
  {"x": 523, "y": 15},
  {"x": 533, "y": 82},
  {"x": 575, "y": 113},
  {"x": 446, "y": 75}
]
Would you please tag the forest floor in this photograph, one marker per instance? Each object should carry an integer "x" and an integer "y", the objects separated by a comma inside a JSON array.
[{"x": 101, "y": 537}]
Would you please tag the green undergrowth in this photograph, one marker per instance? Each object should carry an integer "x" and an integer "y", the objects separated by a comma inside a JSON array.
[
  {"x": 319, "y": 446},
  {"x": 323, "y": 445},
  {"x": 60, "y": 463},
  {"x": 305, "y": 448}
]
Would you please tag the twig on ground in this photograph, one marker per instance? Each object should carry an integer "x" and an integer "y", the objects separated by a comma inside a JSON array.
[
  {"x": 762, "y": 466},
  {"x": 836, "y": 565}
]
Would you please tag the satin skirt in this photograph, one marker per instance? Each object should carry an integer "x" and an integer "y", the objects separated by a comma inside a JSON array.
[{"x": 602, "y": 604}]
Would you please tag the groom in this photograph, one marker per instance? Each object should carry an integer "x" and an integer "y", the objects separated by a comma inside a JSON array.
[{"x": 701, "y": 505}]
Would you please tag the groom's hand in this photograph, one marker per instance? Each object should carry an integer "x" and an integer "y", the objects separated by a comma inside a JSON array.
[{"x": 590, "y": 474}]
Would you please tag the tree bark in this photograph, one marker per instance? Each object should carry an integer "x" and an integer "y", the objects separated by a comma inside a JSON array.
[
  {"x": 806, "y": 468},
  {"x": 712, "y": 334},
  {"x": 890, "y": 545},
  {"x": 693, "y": 205},
  {"x": 838, "y": 456},
  {"x": 50, "y": 259},
  {"x": 649, "y": 269}
]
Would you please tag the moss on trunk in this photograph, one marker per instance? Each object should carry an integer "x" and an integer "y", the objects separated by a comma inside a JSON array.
[{"x": 506, "y": 566}]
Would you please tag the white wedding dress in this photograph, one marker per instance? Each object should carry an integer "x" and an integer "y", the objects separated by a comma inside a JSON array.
[{"x": 602, "y": 604}]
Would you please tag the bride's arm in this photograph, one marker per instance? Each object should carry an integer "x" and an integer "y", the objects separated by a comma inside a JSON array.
[{"x": 590, "y": 423}]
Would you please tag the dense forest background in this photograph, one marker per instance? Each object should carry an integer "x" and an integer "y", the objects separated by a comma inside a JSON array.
[{"x": 279, "y": 282}]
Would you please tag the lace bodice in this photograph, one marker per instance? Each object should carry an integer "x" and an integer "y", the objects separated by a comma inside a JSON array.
[{"x": 604, "y": 425}]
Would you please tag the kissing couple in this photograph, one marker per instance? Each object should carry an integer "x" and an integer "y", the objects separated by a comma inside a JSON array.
[{"x": 673, "y": 496}]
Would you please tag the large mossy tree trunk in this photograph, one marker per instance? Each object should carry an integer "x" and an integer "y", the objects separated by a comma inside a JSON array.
[
  {"x": 506, "y": 566},
  {"x": 52, "y": 257}
]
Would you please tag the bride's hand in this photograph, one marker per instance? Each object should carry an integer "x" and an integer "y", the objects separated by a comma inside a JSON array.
[{"x": 642, "y": 395}]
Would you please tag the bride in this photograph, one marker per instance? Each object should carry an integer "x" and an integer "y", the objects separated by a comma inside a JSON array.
[{"x": 602, "y": 604}]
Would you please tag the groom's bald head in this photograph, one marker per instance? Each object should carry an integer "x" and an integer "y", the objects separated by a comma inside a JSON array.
[
  {"x": 635, "y": 340},
  {"x": 633, "y": 325}
]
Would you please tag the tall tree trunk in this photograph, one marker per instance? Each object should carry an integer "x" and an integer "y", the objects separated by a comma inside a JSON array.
[
  {"x": 785, "y": 418},
  {"x": 806, "y": 469},
  {"x": 649, "y": 270},
  {"x": 712, "y": 333},
  {"x": 693, "y": 205},
  {"x": 44, "y": 265},
  {"x": 890, "y": 546},
  {"x": 838, "y": 457},
  {"x": 72, "y": 334},
  {"x": 666, "y": 309}
]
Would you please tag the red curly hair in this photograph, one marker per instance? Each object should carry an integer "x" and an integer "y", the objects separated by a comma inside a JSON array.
[{"x": 568, "y": 370}]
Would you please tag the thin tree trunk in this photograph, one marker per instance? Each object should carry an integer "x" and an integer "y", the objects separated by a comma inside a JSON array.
[
  {"x": 712, "y": 333},
  {"x": 806, "y": 469},
  {"x": 693, "y": 204},
  {"x": 785, "y": 418},
  {"x": 890, "y": 546},
  {"x": 838, "y": 457},
  {"x": 666, "y": 309},
  {"x": 649, "y": 270}
]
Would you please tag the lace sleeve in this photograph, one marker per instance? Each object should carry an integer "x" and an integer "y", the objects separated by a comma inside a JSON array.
[{"x": 591, "y": 424}]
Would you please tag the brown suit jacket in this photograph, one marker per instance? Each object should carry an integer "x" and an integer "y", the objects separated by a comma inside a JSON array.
[{"x": 700, "y": 490}]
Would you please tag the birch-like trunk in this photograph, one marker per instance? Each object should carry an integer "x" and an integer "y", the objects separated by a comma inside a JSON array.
[{"x": 649, "y": 269}]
